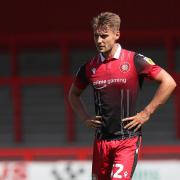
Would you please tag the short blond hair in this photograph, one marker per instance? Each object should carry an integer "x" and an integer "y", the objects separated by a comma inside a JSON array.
[{"x": 107, "y": 20}]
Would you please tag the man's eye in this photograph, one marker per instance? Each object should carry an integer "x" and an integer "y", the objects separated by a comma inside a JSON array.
[
  {"x": 104, "y": 36},
  {"x": 96, "y": 36}
]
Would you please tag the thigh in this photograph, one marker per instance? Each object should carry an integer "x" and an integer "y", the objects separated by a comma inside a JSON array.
[
  {"x": 102, "y": 161},
  {"x": 125, "y": 159}
]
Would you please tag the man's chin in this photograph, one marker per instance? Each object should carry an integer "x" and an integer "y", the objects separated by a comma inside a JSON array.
[{"x": 101, "y": 51}]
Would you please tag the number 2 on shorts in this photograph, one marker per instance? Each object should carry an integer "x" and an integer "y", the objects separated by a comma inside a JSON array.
[{"x": 116, "y": 171}]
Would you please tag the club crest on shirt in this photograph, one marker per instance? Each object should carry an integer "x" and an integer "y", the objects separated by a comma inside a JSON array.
[{"x": 125, "y": 67}]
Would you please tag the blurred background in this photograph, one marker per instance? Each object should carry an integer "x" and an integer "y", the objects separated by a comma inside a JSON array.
[{"x": 42, "y": 44}]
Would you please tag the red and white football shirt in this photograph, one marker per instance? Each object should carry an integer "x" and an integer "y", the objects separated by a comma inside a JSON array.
[{"x": 116, "y": 82}]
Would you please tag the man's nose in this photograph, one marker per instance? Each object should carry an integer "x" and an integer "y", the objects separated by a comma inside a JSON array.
[{"x": 99, "y": 39}]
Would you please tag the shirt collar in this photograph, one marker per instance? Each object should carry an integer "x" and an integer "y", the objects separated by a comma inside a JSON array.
[{"x": 116, "y": 54}]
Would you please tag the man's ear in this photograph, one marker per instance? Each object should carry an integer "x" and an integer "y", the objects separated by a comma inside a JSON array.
[{"x": 117, "y": 35}]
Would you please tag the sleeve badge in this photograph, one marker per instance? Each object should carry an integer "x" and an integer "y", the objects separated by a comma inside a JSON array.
[{"x": 149, "y": 61}]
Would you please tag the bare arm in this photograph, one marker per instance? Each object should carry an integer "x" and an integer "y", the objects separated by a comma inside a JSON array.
[
  {"x": 79, "y": 108},
  {"x": 166, "y": 87}
]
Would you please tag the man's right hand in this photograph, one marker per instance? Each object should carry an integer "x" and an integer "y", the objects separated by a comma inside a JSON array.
[{"x": 95, "y": 122}]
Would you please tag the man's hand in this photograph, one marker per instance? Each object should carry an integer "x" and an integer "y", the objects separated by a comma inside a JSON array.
[
  {"x": 137, "y": 121},
  {"x": 94, "y": 122}
]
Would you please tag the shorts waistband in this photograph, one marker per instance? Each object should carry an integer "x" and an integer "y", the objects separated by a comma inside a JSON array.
[{"x": 101, "y": 136}]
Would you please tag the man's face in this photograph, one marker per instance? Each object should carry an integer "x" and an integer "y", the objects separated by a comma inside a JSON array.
[{"x": 105, "y": 39}]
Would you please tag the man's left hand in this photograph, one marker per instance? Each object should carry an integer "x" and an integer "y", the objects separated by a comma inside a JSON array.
[{"x": 137, "y": 121}]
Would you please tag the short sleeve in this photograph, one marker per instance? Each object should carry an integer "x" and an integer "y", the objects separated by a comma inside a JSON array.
[
  {"x": 145, "y": 66},
  {"x": 81, "y": 80}
]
